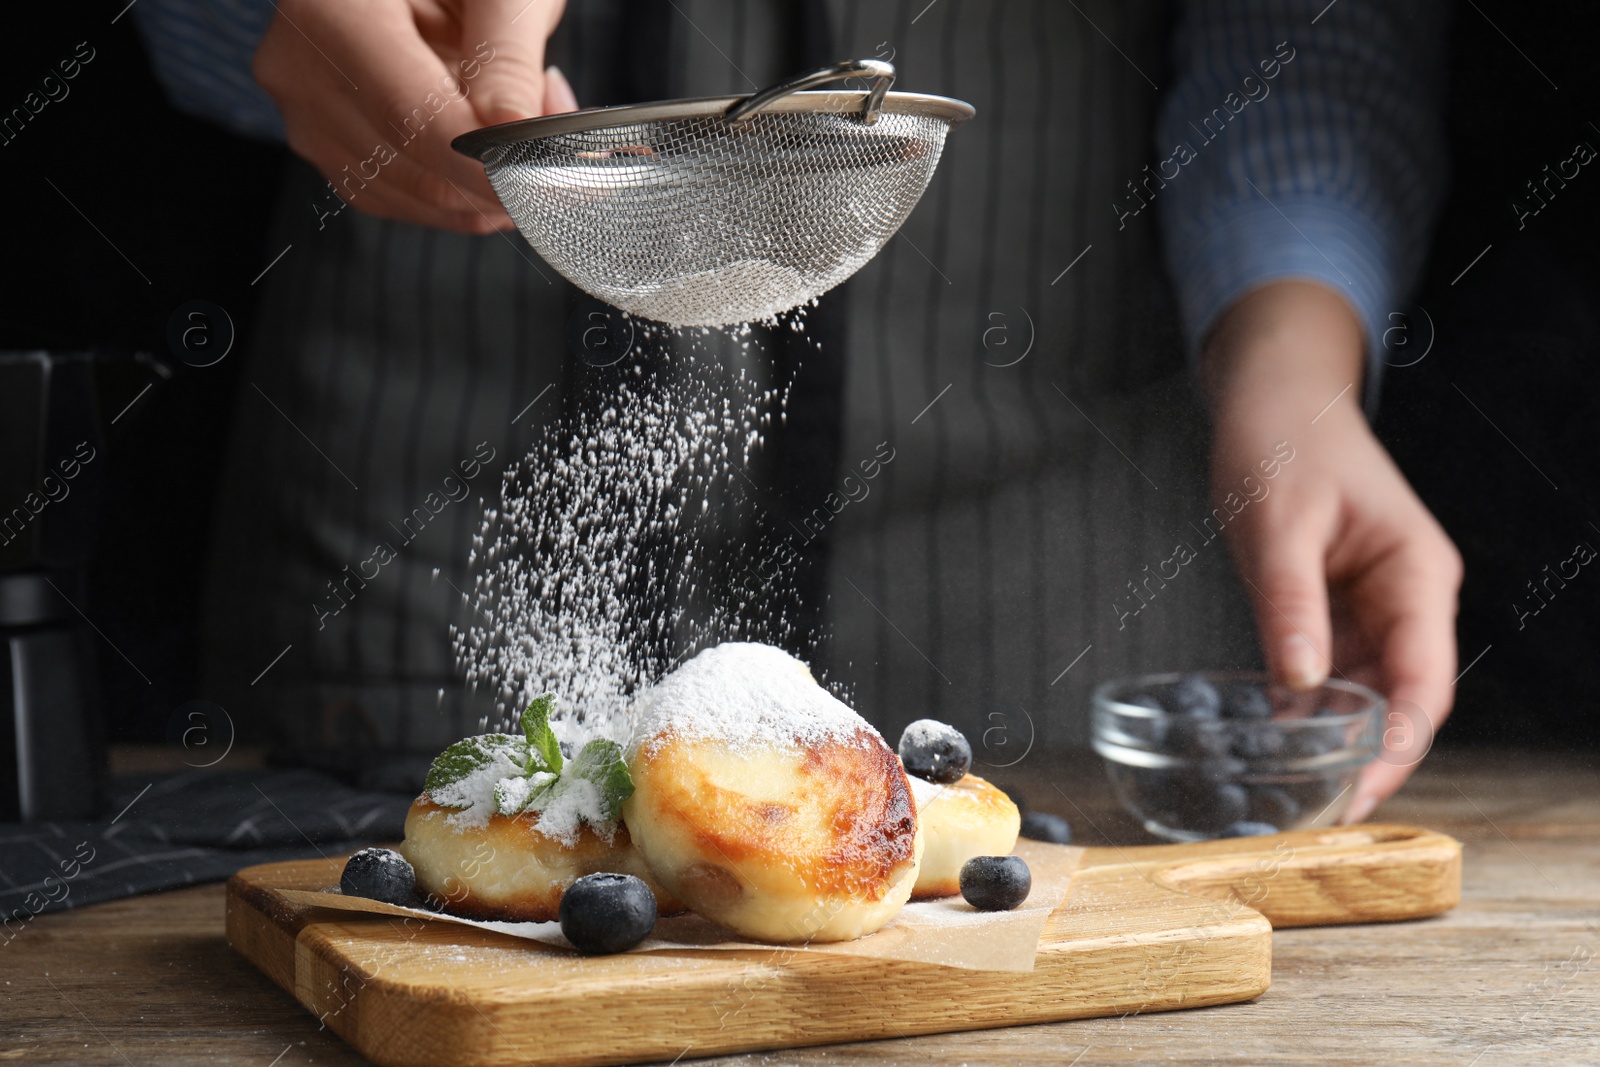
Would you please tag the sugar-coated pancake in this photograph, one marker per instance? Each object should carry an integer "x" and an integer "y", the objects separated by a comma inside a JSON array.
[
  {"x": 508, "y": 871},
  {"x": 967, "y": 818},
  {"x": 767, "y": 805}
]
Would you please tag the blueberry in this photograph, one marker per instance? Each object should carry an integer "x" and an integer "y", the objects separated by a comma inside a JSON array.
[
  {"x": 1154, "y": 728},
  {"x": 1193, "y": 695},
  {"x": 1042, "y": 826},
  {"x": 995, "y": 883},
  {"x": 936, "y": 751},
  {"x": 1308, "y": 741},
  {"x": 603, "y": 913},
  {"x": 1230, "y": 803},
  {"x": 379, "y": 874},
  {"x": 1218, "y": 805},
  {"x": 1258, "y": 740},
  {"x": 1247, "y": 701},
  {"x": 1246, "y": 828},
  {"x": 1272, "y": 805},
  {"x": 1199, "y": 738},
  {"x": 1202, "y": 801}
]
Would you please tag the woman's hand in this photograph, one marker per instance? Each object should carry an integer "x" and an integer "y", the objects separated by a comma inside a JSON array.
[
  {"x": 372, "y": 93},
  {"x": 1346, "y": 568}
]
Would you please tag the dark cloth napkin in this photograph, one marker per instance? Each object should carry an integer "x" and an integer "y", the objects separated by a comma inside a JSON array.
[{"x": 182, "y": 829}]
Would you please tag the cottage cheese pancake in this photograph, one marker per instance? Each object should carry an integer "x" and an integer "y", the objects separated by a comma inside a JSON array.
[
  {"x": 967, "y": 818},
  {"x": 766, "y": 804},
  {"x": 504, "y": 868}
]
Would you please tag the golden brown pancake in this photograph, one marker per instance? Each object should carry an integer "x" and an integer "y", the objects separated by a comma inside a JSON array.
[
  {"x": 967, "y": 818},
  {"x": 508, "y": 871},
  {"x": 767, "y": 805}
]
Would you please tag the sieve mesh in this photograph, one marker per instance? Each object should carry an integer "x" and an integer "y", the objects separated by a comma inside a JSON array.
[{"x": 705, "y": 222}]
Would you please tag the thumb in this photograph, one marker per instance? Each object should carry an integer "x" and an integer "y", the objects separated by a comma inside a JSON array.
[
  {"x": 514, "y": 32},
  {"x": 558, "y": 94},
  {"x": 1283, "y": 563}
]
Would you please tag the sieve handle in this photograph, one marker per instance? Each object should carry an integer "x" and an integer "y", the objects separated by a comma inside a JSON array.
[{"x": 881, "y": 73}]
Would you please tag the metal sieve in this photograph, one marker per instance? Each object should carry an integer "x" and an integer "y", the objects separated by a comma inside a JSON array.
[{"x": 720, "y": 210}]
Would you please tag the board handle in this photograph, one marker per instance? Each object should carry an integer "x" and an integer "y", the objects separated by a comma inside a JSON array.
[{"x": 1371, "y": 873}]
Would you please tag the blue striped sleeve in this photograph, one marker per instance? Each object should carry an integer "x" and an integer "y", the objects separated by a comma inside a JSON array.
[
  {"x": 1302, "y": 140},
  {"x": 201, "y": 51}
]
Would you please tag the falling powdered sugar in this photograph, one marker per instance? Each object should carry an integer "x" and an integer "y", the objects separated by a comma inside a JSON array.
[
  {"x": 744, "y": 695},
  {"x": 628, "y": 536}
]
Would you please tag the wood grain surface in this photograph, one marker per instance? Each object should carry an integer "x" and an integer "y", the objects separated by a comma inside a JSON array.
[
  {"x": 1142, "y": 929},
  {"x": 1507, "y": 978}
]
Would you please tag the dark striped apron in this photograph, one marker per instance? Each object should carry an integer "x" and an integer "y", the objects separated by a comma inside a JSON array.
[{"x": 1001, "y": 445}]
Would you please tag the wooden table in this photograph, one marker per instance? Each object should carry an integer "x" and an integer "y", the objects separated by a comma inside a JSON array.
[{"x": 1512, "y": 976}]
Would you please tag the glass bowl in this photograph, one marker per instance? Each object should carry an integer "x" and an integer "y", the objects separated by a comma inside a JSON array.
[{"x": 1237, "y": 765}]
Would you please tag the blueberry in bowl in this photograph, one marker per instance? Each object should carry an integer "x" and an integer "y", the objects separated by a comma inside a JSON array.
[
  {"x": 1207, "y": 754},
  {"x": 1193, "y": 695}
]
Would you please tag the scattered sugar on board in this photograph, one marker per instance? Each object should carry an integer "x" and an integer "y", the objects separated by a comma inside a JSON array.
[
  {"x": 607, "y": 555},
  {"x": 745, "y": 695}
]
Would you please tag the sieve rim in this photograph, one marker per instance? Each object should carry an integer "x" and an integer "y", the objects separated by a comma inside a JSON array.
[{"x": 477, "y": 143}]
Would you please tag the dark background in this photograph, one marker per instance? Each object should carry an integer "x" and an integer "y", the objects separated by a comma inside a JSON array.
[{"x": 1514, "y": 480}]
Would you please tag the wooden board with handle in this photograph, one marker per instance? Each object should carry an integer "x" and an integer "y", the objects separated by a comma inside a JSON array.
[{"x": 1142, "y": 929}]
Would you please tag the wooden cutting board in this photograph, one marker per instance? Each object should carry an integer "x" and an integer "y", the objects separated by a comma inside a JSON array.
[{"x": 1142, "y": 929}]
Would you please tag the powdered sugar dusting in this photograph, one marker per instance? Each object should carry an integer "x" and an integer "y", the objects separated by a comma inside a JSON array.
[
  {"x": 473, "y": 794},
  {"x": 745, "y": 695},
  {"x": 923, "y": 791},
  {"x": 578, "y": 803}
]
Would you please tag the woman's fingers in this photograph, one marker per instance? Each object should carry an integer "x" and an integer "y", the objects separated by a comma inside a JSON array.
[
  {"x": 558, "y": 95},
  {"x": 1410, "y": 603},
  {"x": 512, "y": 84},
  {"x": 1281, "y": 552},
  {"x": 374, "y": 107}
]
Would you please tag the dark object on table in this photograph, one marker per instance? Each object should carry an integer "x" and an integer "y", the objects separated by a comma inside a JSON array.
[
  {"x": 186, "y": 828},
  {"x": 53, "y": 423},
  {"x": 379, "y": 874},
  {"x": 935, "y": 751},
  {"x": 995, "y": 883},
  {"x": 604, "y": 913},
  {"x": 1042, "y": 826}
]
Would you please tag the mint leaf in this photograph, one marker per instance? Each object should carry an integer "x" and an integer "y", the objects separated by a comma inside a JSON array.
[
  {"x": 528, "y": 775},
  {"x": 544, "y": 752},
  {"x": 514, "y": 795},
  {"x": 470, "y": 755},
  {"x": 601, "y": 763}
]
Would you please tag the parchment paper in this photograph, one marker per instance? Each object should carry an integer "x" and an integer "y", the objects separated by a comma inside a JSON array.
[{"x": 947, "y": 932}]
